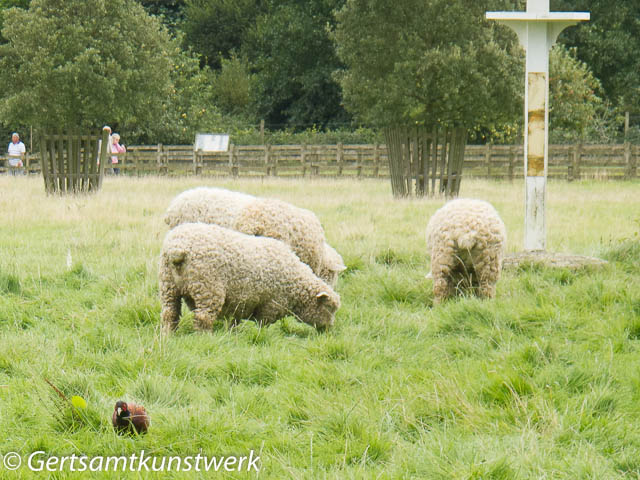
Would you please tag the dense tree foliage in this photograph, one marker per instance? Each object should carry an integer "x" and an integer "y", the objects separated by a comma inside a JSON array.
[
  {"x": 427, "y": 61},
  {"x": 5, "y": 5},
  {"x": 575, "y": 102},
  {"x": 69, "y": 68},
  {"x": 576, "y": 110},
  {"x": 190, "y": 107},
  {"x": 171, "y": 12},
  {"x": 233, "y": 86},
  {"x": 163, "y": 69},
  {"x": 293, "y": 57},
  {"x": 216, "y": 28},
  {"x": 610, "y": 44}
]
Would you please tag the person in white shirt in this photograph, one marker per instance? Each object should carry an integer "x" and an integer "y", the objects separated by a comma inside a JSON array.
[{"x": 16, "y": 153}]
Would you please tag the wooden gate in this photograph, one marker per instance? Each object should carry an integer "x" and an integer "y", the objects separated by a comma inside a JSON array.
[
  {"x": 419, "y": 157},
  {"x": 73, "y": 163}
]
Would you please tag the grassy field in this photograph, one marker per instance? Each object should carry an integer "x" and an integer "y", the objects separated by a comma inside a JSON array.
[{"x": 542, "y": 382}]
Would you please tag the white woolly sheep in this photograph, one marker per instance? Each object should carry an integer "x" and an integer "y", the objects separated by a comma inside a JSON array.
[
  {"x": 207, "y": 205},
  {"x": 223, "y": 273},
  {"x": 297, "y": 227},
  {"x": 467, "y": 239}
]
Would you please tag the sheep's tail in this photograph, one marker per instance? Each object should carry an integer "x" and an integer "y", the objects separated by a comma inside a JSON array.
[
  {"x": 177, "y": 258},
  {"x": 467, "y": 241}
]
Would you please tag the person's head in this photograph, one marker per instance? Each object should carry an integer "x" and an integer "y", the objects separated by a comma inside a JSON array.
[
  {"x": 15, "y": 138},
  {"x": 107, "y": 128},
  {"x": 116, "y": 138}
]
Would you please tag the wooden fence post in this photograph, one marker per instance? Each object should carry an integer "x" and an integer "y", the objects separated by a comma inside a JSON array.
[
  {"x": 575, "y": 162},
  {"x": 303, "y": 160},
  {"x": 512, "y": 163},
  {"x": 376, "y": 160},
  {"x": 132, "y": 157},
  {"x": 196, "y": 154},
  {"x": 629, "y": 161},
  {"x": 340, "y": 158},
  {"x": 233, "y": 169},
  {"x": 273, "y": 160},
  {"x": 487, "y": 158},
  {"x": 267, "y": 161}
]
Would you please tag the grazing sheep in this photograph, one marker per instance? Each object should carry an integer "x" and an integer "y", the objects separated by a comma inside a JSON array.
[
  {"x": 297, "y": 227},
  {"x": 223, "y": 273},
  {"x": 208, "y": 205},
  {"x": 467, "y": 239}
]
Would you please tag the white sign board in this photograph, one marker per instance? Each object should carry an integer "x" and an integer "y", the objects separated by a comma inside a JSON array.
[{"x": 211, "y": 142}]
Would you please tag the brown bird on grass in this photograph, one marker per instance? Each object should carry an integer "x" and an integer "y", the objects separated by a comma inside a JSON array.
[{"x": 128, "y": 417}]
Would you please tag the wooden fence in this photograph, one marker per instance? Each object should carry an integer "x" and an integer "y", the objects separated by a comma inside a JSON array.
[
  {"x": 481, "y": 161},
  {"x": 73, "y": 163},
  {"x": 419, "y": 157}
]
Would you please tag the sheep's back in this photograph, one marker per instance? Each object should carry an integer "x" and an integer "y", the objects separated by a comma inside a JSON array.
[
  {"x": 466, "y": 224},
  {"x": 208, "y": 205}
]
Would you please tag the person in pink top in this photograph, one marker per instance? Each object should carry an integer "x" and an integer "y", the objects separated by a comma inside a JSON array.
[{"x": 116, "y": 148}]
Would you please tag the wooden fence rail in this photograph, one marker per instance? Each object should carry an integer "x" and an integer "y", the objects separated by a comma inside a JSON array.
[{"x": 570, "y": 162}]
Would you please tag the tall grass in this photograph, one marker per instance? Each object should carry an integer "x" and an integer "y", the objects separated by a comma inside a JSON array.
[{"x": 539, "y": 383}]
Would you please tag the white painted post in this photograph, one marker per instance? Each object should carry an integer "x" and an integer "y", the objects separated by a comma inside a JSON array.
[{"x": 537, "y": 30}]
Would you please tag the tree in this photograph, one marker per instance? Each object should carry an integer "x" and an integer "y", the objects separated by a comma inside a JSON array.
[
  {"x": 574, "y": 104},
  {"x": 69, "y": 68},
  {"x": 5, "y": 5},
  {"x": 202, "y": 100},
  {"x": 293, "y": 56},
  {"x": 233, "y": 85},
  {"x": 216, "y": 28},
  {"x": 610, "y": 44},
  {"x": 428, "y": 61},
  {"x": 170, "y": 12}
]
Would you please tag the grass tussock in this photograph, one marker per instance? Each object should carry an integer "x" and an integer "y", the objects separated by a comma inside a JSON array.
[{"x": 540, "y": 382}]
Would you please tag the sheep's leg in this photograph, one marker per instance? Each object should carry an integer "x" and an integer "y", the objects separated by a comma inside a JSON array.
[
  {"x": 190, "y": 303},
  {"x": 442, "y": 289},
  {"x": 267, "y": 313},
  {"x": 488, "y": 274},
  {"x": 170, "y": 307},
  {"x": 208, "y": 301},
  {"x": 441, "y": 264}
]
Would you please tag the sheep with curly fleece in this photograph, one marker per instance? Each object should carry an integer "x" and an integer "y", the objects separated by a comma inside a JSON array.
[
  {"x": 208, "y": 205},
  {"x": 466, "y": 239},
  {"x": 223, "y": 273},
  {"x": 297, "y": 227}
]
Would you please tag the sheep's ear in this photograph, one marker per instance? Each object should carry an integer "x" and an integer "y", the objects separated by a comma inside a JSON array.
[{"x": 322, "y": 297}]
